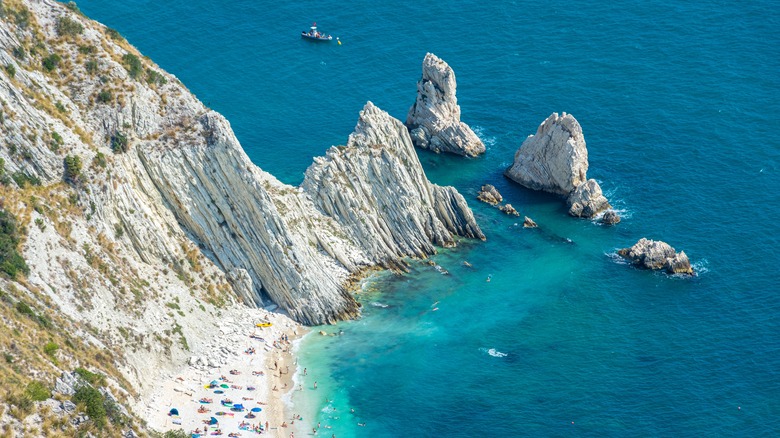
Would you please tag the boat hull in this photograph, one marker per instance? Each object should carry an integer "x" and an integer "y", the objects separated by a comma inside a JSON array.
[{"x": 313, "y": 38}]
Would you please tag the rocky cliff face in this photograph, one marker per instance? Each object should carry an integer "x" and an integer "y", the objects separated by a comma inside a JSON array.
[
  {"x": 146, "y": 220},
  {"x": 555, "y": 160},
  {"x": 434, "y": 119},
  {"x": 404, "y": 215}
]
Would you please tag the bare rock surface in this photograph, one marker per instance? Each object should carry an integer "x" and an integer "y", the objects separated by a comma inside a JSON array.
[
  {"x": 587, "y": 200},
  {"x": 529, "y": 223},
  {"x": 403, "y": 216},
  {"x": 508, "y": 209},
  {"x": 553, "y": 160},
  {"x": 655, "y": 254},
  {"x": 610, "y": 217},
  {"x": 489, "y": 194},
  {"x": 434, "y": 119}
]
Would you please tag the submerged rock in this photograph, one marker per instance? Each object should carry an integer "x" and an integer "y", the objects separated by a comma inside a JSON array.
[
  {"x": 610, "y": 217},
  {"x": 434, "y": 119},
  {"x": 489, "y": 194},
  {"x": 655, "y": 254},
  {"x": 587, "y": 200}
]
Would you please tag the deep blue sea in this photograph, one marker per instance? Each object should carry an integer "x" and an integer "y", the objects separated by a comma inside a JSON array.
[{"x": 679, "y": 103}]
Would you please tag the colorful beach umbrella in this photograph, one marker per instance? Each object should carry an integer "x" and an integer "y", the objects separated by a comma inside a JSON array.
[
  {"x": 213, "y": 421},
  {"x": 224, "y": 385},
  {"x": 256, "y": 409}
]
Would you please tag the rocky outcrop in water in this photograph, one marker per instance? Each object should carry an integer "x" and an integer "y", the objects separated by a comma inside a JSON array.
[
  {"x": 529, "y": 223},
  {"x": 587, "y": 200},
  {"x": 404, "y": 215},
  {"x": 655, "y": 254},
  {"x": 434, "y": 119},
  {"x": 610, "y": 217},
  {"x": 508, "y": 209},
  {"x": 489, "y": 194},
  {"x": 555, "y": 160}
]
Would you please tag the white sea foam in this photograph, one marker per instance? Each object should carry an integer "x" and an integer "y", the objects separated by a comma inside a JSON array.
[
  {"x": 378, "y": 304},
  {"x": 493, "y": 352},
  {"x": 488, "y": 140}
]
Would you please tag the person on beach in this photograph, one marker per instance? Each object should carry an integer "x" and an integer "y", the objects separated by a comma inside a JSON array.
[
  {"x": 304, "y": 371},
  {"x": 315, "y": 385}
]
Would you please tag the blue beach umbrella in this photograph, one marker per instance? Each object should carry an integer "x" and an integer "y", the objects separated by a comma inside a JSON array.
[
  {"x": 213, "y": 421},
  {"x": 256, "y": 409}
]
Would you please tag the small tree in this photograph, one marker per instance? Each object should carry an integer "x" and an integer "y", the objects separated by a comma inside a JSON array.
[
  {"x": 72, "y": 168},
  {"x": 51, "y": 62},
  {"x": 119, "y": 143},
  {"x": 69, "y": 27},
  {"x": 133, "y": 65}
]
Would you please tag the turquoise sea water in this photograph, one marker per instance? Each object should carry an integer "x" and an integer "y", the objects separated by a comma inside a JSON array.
[{"x": 679, "y": 105}]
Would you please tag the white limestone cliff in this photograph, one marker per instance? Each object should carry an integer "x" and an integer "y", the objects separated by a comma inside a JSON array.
[
  {"x": 434, "y": 119},
  {"x": 152, "y": 245}
]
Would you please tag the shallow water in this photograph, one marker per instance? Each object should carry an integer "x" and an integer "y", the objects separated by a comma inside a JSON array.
[{"x": 678, "y": 103}]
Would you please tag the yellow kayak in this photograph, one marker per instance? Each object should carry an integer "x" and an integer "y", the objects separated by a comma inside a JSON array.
[{"x": 263, "y": 324}]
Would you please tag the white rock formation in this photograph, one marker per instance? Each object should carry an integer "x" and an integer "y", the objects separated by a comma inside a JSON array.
[
  {"x": 655, "y": 254},
  {"x": 434, "y": 119},
  {"x": 489, "y": 194},
  {"x": 587, "y": 200},
  {"x": 152, "y": 249},
  {"x": 404, "y": 215},
  {"x": 555, "y": 160}
]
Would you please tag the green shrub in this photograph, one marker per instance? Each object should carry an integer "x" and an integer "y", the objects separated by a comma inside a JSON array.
[
  {"x": 51, "y": 62},
  {"x": 119, "y": 143},
  {"x": 60, "y": 107},
  {"x": 113, "y": 34},
  {"x": 155, "y": 78},
  {"x": 179, "y": 433},
  {"x": 72, "y": 168},
  {"x": 92, "y": 68},
  {"x": 21, "y": 17},
  {"x": 69, "y": 27},
  {"x": 93, "y": 401},
  {"x": 37, "y": 391},
  {"x": 104, "y": 96},
  {"x": 11, "y": 70},
  {"x": 90, "y": 377},
  {"x": 74, "y": 7},
  {"x": 24, "y": 308},
  {"x": 99, "y": 161},
  {"x": 11, "y": 262},
  {"x": 87, "y": 50},
  {"x": 19, "y": 53},
  {"x": 133, "y": 65},
  {"x": 23, "y": 180},
  {"x": 50, "y": 348}
]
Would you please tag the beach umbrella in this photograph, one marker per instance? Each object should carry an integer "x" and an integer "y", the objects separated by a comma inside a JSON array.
[
  {"x": 224, "y": 386},
  {"x": 214, "y": 383},
  {"x": 213, "y": 421},
  {"x": 238, "y": 406},
  {"x": 173, "y": 411},
  {"x": 256, "y": 409}
]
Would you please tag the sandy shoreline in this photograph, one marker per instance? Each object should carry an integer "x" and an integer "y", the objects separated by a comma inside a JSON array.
[{"x": 262, "y": 378}]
